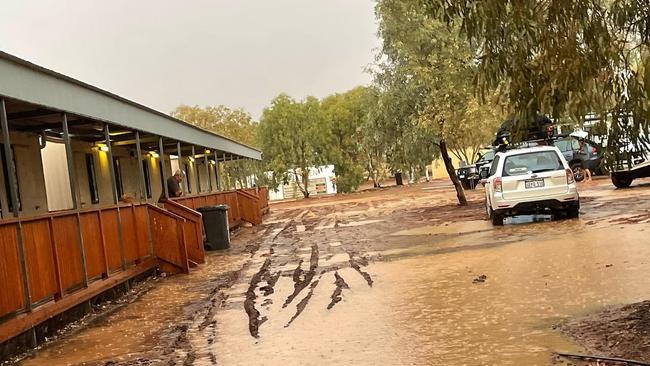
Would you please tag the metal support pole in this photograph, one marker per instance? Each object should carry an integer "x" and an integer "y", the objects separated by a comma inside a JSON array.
[
  {"x": 13, "y": 184},
  {"x": 207, "y": 170},
  {"x": 111, "y": 166},
  {"x": 70, "y": 159},
  {"x": 138, "y": 153},
  {"x": 74, "y": 192},
  {"x": 196, "y": 171},
  {"x": 111, "y": 170},
  {"x": 216, "y": 171},
  {"x": 161, "y": 159},
  {"x": 9, "y": 159},
  {"x": 180, "y": 167},
  {"x": 226, "y": 186}
]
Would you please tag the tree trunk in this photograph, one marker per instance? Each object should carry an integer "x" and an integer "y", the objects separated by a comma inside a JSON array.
[
  {"x": 460, "y": 193},
  {"x": 304, "y": 180}
]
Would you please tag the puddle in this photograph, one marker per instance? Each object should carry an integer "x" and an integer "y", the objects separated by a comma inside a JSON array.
[
  {"x": 461, "y": 227},
  {"x": 359, "y": 223},
  {"x": 428, "y": 310}
]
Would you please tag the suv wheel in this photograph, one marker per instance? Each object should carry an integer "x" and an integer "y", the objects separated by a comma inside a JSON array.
[
  {"x": 573, "y": 213},
  {"x": 497, "y": 219},
  {"x": 578, "y": 172},
  {"x": 621, "y": 181}
]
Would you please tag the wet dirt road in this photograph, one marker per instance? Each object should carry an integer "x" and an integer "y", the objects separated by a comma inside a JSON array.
[{"x": 399, "y": 276}]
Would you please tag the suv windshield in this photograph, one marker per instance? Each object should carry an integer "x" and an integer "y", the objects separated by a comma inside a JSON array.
[
  {"x": 488, "y": 156},
  {"x": 534, "y": 162}
]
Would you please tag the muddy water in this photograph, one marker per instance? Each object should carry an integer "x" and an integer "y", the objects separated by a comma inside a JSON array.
[
  {"x": 425, "y": 309},
  {"x": 135, "y": 329},
  {"x": 406, "y": 277}
]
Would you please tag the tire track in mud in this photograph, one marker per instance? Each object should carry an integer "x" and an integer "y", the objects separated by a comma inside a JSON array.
[
  {"x": 357, "y": 264},
  {"x": 254, "y": 320},
  {"x": 336, "y": 295},
  {"x": 303, "y": 303},
  {"x": 307, "y": 276},
  {"x": 263, "y": 274}
]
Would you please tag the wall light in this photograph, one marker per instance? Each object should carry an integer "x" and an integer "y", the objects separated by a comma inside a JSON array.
[
  {"x": 153, "y": 154},
  {"x": 191, "y": 159},
  {"x": 102, "y": 147},
  {"x": 212, "y": 162},
  {"x": 207, "y": 151}
]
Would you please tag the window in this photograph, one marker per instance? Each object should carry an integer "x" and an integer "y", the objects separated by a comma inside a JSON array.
[
  {"x": 563, "y": 145},
  {"x": 495, "y": 163},
  {"x": 92, "y": 178},
  {"x": 5, "y": 173},
  {"x": 147, "y": 177},
  {"x": 187, "y": 178},
  {"x": 118, "y": 178},
  {"x": 535, "y": 162}
]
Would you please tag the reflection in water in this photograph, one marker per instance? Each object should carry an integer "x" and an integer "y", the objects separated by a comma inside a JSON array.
[{"x": 425, "y": 310}]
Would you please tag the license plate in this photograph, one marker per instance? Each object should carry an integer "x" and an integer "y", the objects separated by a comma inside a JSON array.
[
  {"x": 461, "y": 176},
  {"x": 534, "y": 183}
]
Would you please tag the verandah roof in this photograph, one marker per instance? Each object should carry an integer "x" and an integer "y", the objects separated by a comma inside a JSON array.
[{"x": 24, "y": 81}]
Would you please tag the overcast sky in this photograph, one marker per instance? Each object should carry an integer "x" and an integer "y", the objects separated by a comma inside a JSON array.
[{"x": 162, "y": 53}]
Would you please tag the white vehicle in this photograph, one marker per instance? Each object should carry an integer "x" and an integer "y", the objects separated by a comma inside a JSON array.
[{"x": 530, "y": 181}]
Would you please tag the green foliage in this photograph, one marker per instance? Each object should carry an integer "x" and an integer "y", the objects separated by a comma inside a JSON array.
[
  {"x": 562, "y": 58},
  {"x": 427, "y": 99},
  {"x": 234, "y": 124},
  {"x": 293, "y": 138},
  {"x": 345, "y": 115}
]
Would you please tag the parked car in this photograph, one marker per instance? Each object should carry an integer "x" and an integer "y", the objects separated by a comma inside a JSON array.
[
  {"x": 530, "y": 181},
  {"x": 581, "y": 154},
  {"x": 469, "y": 175},
  {"x": 632, "y": 164}
]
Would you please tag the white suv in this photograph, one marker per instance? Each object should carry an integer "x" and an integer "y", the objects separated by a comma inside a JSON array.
[{"x": 529, "y": 181}]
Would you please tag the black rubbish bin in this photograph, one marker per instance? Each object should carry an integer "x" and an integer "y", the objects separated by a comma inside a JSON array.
[
  {"x": 398, "y": 179},
  {"x": 215, "y": 226}
]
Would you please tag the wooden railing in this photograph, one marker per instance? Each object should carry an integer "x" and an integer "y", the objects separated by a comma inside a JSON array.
[
  {"x": 226, "y": 197},
  {"x": 249, "y": 206},
  {"x": 193, "y": 228},
  {"x": 51, "y": 262},
  {"x": 169, "y": 240}
]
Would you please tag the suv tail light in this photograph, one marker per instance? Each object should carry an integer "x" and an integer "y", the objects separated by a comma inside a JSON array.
[
  {"x": 594, "y": 150},
  {"x": 498, "y": 185},
  {"x": 570, "y": 179}
]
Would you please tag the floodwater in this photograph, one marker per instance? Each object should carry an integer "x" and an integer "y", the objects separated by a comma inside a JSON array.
[{"x": 347, "y": 284}]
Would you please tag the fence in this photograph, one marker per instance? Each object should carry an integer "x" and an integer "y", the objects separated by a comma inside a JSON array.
[{"x": 52, "y": 262}]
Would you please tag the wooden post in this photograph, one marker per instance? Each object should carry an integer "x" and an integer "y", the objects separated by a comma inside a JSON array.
[
  {"x": 138, "y": 153},
  {"x": 13, "y": 184},
  {"x": 74, "y": 192},
  {"x": 161, "y": 160}
]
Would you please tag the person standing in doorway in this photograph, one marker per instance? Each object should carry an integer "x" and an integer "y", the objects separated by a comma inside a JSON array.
[{"x": 173, "y": 186}]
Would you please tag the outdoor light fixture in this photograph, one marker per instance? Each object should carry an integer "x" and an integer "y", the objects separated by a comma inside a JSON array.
[
  {"x": 102, "y": 147},
  {"x": 153, "y": 154},
  {"x": 191, "y": 159},
  {"x": 212, "y": 162},
  {"x": 207, "y": 151}
]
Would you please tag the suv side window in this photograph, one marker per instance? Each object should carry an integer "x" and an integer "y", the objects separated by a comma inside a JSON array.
[
  {"x": 575, "y": 145},
  {"x": 495, "y": 163},
  {"x": 563, "y": 145}
]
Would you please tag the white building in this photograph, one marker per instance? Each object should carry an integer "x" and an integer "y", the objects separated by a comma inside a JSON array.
[{"x": 321, "y": 182}]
